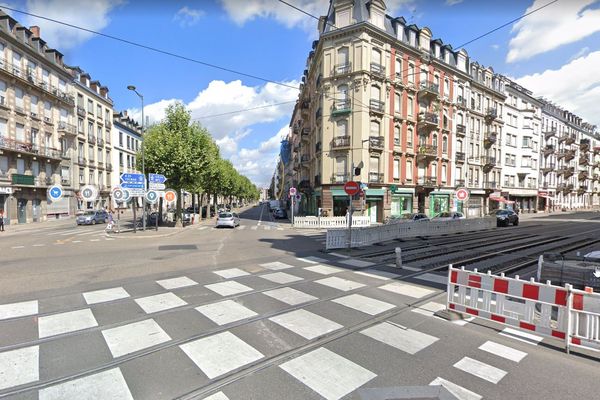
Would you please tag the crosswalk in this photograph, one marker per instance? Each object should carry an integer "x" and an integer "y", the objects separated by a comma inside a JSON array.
[
  {"x": 195, "y": 320},
  {"x": 261, "y": 227}
]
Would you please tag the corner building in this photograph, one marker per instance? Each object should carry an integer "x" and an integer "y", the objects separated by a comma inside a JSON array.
[{"x": 384, "y": 94}]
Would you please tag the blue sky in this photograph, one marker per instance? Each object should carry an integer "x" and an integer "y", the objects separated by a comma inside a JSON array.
[{"x": 554, "y": 52}]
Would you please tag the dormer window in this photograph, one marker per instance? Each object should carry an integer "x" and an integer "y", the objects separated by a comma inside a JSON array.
[
  {"x": 377, "y": 18},
  {"x": 342, "y": 18}
]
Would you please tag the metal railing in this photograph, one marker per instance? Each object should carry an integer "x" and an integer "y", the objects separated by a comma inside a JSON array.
[
  {"x": 340, "y": 142},
  {"x": 375, "y": 177},
  {"x": 376, "y": 105},
  {"x": 330, "y": 222},
  {"x": 341, "y": 107},
  {"x": 376, "y": 142}
]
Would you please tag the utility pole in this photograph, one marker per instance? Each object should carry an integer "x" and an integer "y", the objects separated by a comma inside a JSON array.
[{"x": 132, "y": 88}]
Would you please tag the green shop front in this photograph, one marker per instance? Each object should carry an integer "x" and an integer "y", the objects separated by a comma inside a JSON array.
[
  {"x": 439, "y": 201},
  {"x": 374, "y": 204},
  {"x": 402, "y": 201}
]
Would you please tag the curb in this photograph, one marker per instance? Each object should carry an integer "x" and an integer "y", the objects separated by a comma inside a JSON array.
[{"x": 136, "y": 236}]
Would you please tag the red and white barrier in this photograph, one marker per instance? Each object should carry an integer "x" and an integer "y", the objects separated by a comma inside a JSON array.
[{"x": 584, "y": 321}]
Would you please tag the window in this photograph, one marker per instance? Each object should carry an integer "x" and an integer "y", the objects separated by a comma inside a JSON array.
[
  {"x": 340, "y": 169},
  {"x": 19, "y": 98},
  {"x": 16, "y": 62},
  {"x": 81, "y": 176},
  {"x": 444, "y": 172},
  {"x": 121, "y": 139},
  {"x": 434, "y": 139},
  {"x": 100, "y": 159},
  {"x": 20, "y": 132},
  {"x": 20, "y": 166},
  {"x": 90, "y": 107},
  {"x": 409, "y": 170},
  {"x": 342, "y": 18},
  {"x": 4, "y": 164},
  {"x": 99, "y": 110},
  {"x": 376, "y": 56},
  {"x": 446, "y": 88},
  {"x": 92, "y": 177},
  {"x": 459, "y": 146},
  {"x": 3, "y": 92},
  {"x": 375, "y": 93},
  {"x": 396, "y": 169},
  {"x": 63, "y": 117},
  {"x": 47, "y": 109},
  {"x": 409, "y": 137},
  {"x": 3, "y": 127},
  {"x": 397, "y": 103},
  {"x": 411, "y": 73},
  {"x": 128, "y": 143},
  {"x": 342, "y": 60},
  {"x": 434, "y": 171},
  {"x": 397, "y": 136},
  {"x": 398, "y": 68},
  {"x": 80, "y": 125},
  {"x": 120, "y": 159},
  {"x": 45, "y": 76},
  {"x": 445, "y": 144},
  {"x": 91, "y": 153},
  {"x": 374, "y": 131},
  {"x": 99, "y": 132},
  {"x": 410, "y": 107},
  {"x": 341, "y": 128}
]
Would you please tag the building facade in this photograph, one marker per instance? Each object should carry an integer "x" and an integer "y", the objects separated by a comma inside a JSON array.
[
  {"x": 37, "y": 135},
  {"x": 127, "y": 140}
]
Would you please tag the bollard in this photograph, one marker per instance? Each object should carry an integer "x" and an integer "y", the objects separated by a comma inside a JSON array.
[{"x": 398, "y": 257}]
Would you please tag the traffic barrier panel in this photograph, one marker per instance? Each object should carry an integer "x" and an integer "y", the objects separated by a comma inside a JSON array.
[
  {"x": 584, "y": 326},
  {"x": 330, "y": 222}
]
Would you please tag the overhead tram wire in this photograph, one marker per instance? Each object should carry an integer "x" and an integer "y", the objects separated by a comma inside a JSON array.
[
  {"x": 150, "y": 48},
  {"x": 243, "y": 110}
]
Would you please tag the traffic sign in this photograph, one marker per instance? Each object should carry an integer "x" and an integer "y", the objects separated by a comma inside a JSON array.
[
  {"x": 462, "y": 194},
  {"x": 55, "y": 193},
  {"x": 170, "y": 196},
  {"x": 393, "y": 188},
  {"x": 151, "y": 196},
  {"x": 121, "y": 195},
  {"x": 156, "y": 178},
  {"x": 292, "y": 191},
  {"x": 133, "y": 181},
  {"x": 137, "y": 192},
  {"x": 89, "y": 193},
  {"x": 156, "y": 186},
  {"x": 351, "y": 188},
  {"x": 298, "y": 197}
]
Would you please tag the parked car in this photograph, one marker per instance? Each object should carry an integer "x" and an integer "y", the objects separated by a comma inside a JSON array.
[
  {"x": 229, "y": 219},
  {"x": 448, "y": 216},
  {"x": 152, "y": 218},
  {"x": 92, "y": 217},
  {"x": 505, "y": 217},
  {"x": 280, "y": 213},
  {"x": 409, "y": 217}
]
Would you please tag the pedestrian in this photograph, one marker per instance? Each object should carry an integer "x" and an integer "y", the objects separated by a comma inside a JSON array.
[{"x": 1, "y": 220}]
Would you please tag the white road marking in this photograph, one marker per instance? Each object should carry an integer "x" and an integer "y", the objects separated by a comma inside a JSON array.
[
  {"x": 279, "y": 229},
  {"x": 407, "y": 340},
  {"x": 276, "y": 266},
  {"x": 428, "y": 309},
  {"x": 458, "y": 391},
  {"x": 94, "y": 240},
  {"x": 19, "y": 366},
  {"x": 356, "y": 263},
  {"x": 290, "y": 296},
  {"x": 225, "y": 312},
  {"x": 71, "y": 321},
  {"x": 134, "y": 337},
  {"x": 217, "y": 396},
  {"x": 407, "y": 289},
  {"x": 228, "y": 288},
  {"x": 160, "y": 302},
  {"x": 104, "y": 295},
  {"x": 462, "y": 322},
  {"x": 88, "y": 233},
  {"x": 406, "y": 267},
  {"x": 429, "y": 277},
  {"x": 221, "y": 353},
  {"x": 231, "y": 273},
  {"x": 480, "y": 370},
  {"x": 521, "y": 336},
  {"x": 255, "y": 227},
  {"x": 176, "y": 283},
  {"x": 202, "y": 228},
  {"x": 266, "y": 227},
  {"x": 339, "y": 255},
  {"x": 339, "y": 283},
  {"x": 364, "y": 304},
  {"x": 17, "y": 247},
  {"x": 77, "y": 241},
  {"x": 103, "y": 385},
  {"x": 376, "y": 274},
  {"x": 242, "y": 227},
  {"x": 20, "y": 309},
  {"x": 311, "y": 259},
  {"x": 281, "y": 277},
  {"x": 305, "y": 323},
  {"x": 503, "y": 351},
  {"x": 324, "y": 269},
  {"x": 39, "y": 245},
  {"x": 327, "y": 373}
]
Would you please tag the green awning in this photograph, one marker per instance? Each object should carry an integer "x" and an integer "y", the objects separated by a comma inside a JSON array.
[
  {"x": 338, "y": 193},
  {"x": 375, "y": 192},
  {"x": 404, "y": 191}
]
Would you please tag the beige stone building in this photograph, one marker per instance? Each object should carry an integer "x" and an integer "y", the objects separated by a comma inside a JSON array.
[{"x": 37, "y": 135}]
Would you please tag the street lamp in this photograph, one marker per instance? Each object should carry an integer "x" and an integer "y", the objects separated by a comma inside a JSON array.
[{"x": 132, "y": 88}]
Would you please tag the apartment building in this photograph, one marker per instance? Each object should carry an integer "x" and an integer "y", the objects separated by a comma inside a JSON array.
[
  {"x": 94, "y": 110},
  {"x": 127, "y": 141},
  {"x": 522, "y": 150},
  {"x": 37, "y": 138}
]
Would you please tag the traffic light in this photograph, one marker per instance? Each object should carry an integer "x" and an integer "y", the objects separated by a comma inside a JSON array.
[{"x": 356, "y": 171}]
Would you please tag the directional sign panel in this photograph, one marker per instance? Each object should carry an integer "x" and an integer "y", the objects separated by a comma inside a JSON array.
[
  {"x": 156, "y": 186},
  {"x": 89, "y": 193},
  {"x": 136, "y": 192},
  {"x": 156, "y": 178},
  {"x": 151, "y": 196},
  {"x": 133, "y": 181},
  {"x": 55, "y": 193}
]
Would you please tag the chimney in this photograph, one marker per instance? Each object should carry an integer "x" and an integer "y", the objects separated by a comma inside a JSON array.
[
  {"x": 35, "y": 30},
  {"x": 124, "y": 113}
]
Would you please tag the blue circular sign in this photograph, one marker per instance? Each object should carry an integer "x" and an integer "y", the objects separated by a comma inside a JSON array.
[
  {"x": 55, "y": 192},
  {"x": 151, "y": 196}
]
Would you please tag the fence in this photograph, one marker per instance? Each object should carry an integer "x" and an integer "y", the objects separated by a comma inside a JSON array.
[
  {"x": 551, "y": 311},
  {"x": 338, "y": 238},
  {"x": 329, "y": 222}
]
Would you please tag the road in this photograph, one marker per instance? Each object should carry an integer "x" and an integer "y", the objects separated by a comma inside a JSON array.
[{"x": 259, "y": 312}]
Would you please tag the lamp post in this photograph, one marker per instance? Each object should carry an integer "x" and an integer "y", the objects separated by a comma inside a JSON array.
[{"x": 132, "y": 88}]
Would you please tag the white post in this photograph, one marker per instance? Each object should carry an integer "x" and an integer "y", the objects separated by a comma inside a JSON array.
[
  {"x": 569, "y": 306},
  {"x": 350, "y": 224},
  {"x": 293, "y": 209},
  {"x": 398, "y": 257}
]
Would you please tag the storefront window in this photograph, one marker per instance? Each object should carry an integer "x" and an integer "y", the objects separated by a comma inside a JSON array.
[
  {"x": 401, "y": 204},
  {"x": 439, "y": 203}
]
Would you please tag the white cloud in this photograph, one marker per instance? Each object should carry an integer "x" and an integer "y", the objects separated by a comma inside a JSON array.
[
  {"x": 188, "y": 16},
  {"x": 453, "y": 2},
  {"x": 90, "y": 14},
  {"x": 583, "y": 52},
  {"x": 560, "y": 23},
  {"x": 575, "y": 86},
  {"x": 495, "y": 46},
  {"x": 285, "y": 14}
]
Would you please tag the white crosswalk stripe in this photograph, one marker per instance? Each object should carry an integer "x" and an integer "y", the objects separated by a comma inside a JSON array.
[
  {"x": 481, "y": 370},
  {"x": 407, "y": 340},
  {"x": 458, "y": 391},
  {"x": 521, "y": 336},
  {"x": 306, "y": 324},
  {"x": 242, "y": 227},
  {"x": 108, "y": 384},
  {"x": 255, "y": 227},
  {"x": 503, "y": 351}
]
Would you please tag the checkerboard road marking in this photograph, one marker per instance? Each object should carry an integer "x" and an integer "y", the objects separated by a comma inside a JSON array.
[
  {"x": 66, "y": 322},
  {"x": 133, "y": 337},
  {"x": 21, "y": 309},
  {"x": 104, "y": 295},
  {"x": 225, "y": 312},
  {"x": 290, "y": 296},
  {"x": 305, "y": 323},
  {"x": 160, "y": 302},
  {"x": 176, "y": 283},
  {"x": 108, "y": 384},
  {"x": 228, "y": 288},
  {"x": 20, "y": 366}
]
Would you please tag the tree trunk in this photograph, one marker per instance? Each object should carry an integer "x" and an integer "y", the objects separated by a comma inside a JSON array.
[
  {"x": 178, "y": 219},
  {"x": 160, "y": 210}
]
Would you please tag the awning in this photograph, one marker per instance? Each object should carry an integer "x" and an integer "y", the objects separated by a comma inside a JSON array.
[
  {"x": 503, "y": 200},
  {"x": 338, "y": 193},
  {"x": 375, "y": 192}
]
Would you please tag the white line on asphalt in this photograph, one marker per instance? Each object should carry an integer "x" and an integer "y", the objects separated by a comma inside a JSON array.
[
  {"x": 503, "y": 351},
  {"x": 406, "y": 340},
  {"x": 18, "y": 247},
  {"x": 339, "y": 283},
  {"x": 306, "y": 324},
  {"x": 103, "y": 385},
  {"x": 89, "y": 233},
  {"x": 290, "y": 296},
  {"x": 19, "y": 366},
  {"x": 255, "y": 227},
  {"x": 130, "y": 338},
  {"x": 104, "y": 295},
  {"x": 356, "y": 263},
  {"x": 364, "y": 304},
  {"x": 202, "y": 228},
  {"x": 521, "y": 336},
  {"x": 21, "y": 309},
  {"x": 225, "y": 312},
  {"x": 71, "y": 321},
  {"x": 458, "y": 391},
  {"x": 339, "y": 255},
  {"x": 311, "y": 260},
  {"x": 94, "y": 240},
  {"x": 76, "y": 241},
  {"x": 480, "y": 370},
  {"x": 38, "y": 245}
]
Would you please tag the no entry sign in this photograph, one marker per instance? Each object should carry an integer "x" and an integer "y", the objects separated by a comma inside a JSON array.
[
  {"x": 352, "y": 188},
  {"x": 462, "y": 194}
]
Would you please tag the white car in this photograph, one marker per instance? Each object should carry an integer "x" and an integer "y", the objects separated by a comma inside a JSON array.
[
  {"x": 229, "y": 219},
  {"x": 448, "y": 216}
]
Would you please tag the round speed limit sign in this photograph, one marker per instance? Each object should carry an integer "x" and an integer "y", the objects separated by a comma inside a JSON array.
[{"x": 462, "y": 194}]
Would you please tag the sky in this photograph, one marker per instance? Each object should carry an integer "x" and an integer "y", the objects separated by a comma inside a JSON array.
[{"x": 555, "y": 52}]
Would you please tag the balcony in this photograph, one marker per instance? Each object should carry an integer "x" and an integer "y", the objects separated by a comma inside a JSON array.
[
  {"x": 584, "y": 145},
  {"x": 549, "y": 149},
  {"x": 460, "y": 156},
  {"x": 376, "y": 143},
  {"x": 342, "y": 69},
  {"x": 80, "y": 111},
  {"x": 461, "y": 102},
  {"x": 28, "y": 148},
  {"x": 108, "y": 124},
  {"x": 429, "y": 90},
  {"x": 582, "y": 176},
  {"x": 596, "y": 177},
  {"x": 582, "y": 189},
  {"x": 341, "y": 107},
  {"x": 65, "y": 181},
  {"x": 426, "y": 152},
  {"x": 489, "y": 139},
  {"x": 48, "y": 120},
  {"x": 27, "y": 78},
  {"x": 22, "y": 180},
  {"x": 459, "y": 183},
  {"x": 488, "y": 163},
  {"x": 101, "y": 142},
  {"x": 491, "y": 114},
  {"x": 427, "y": 122},
  {"x": 596, "y": 150},
  {"x": 547, "y": 169},
  {"x": 340, "y": 142},
  {"x": 566, "y": 172},
  {"x": 91, "y": 139},
  {"x": 378, "y": 70},
  {"x": 427, "y": 181},
  {"x": 563, "y": 138},
  {"x": 561, "y": 154},
  {"x": 569, "y": 155},
  {"x": 376, "y": 106},
  {"x": 570, "y": 139},
  {"x": 339, "y": 178},
  {"x": 490, "y": 185},
  {"x": 563, "y": 187},
  {"x": 35, "y": 116},
  {"x": 549, "y": 132},
  {"x": 375, "y": 177},
  {"x": 107, "y": 141},
  {"x": 461, "y": 130},
  {"x": 82, "y": 161},
  {"x": 109, "y": 167},
  {"x": 66, "y": 128},
  {"x": 584, "y": 161}
]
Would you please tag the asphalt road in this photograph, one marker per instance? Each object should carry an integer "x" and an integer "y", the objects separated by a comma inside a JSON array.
[{"x": 257, "y": 312}]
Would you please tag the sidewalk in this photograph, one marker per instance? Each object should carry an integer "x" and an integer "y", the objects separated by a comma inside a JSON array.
[{"x": 15, "y": 228}]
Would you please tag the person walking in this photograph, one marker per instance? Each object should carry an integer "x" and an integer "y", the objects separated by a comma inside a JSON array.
[{"x": 1, "y": 220}]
